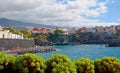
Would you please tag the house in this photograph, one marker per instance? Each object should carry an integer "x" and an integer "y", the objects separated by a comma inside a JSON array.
[
  {"x": 41, "y": 30},
  {"x": 81, "y": 30},
  {"x": 35, "y": 31},
  {"x": 110, "y": 30},
  {"x": 15, "y": 36},
  {"x": 72, "y": 31},
  {"x": 65, "y": 31},
  {"x": 100, "y": 29},
  {"x": 6, "y": 34},
  {"x": 117, "y": 27},
  {"x": 93, "y": 30}
]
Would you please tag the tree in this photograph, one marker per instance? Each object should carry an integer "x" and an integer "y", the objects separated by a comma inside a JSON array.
[
  {"x": 56, "y": 38},
  {"x": 84, "y": 65},
  {"x": 73, "y": 38},
  {"x": 58, "y": 31},
  {"x": 29, "y": 63},
  {"x": 60, "y": 64},
  {"x": 42, "y": 36},
  {"x": 25, "y": 33},
  {"x": 12, "y": 30}
]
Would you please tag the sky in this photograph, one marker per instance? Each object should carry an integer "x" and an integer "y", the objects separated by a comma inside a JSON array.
[{"x": 65, "y": 13}]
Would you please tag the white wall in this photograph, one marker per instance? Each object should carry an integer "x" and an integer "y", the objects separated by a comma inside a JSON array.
[
  {"x": 7, "y": 34},
  {"x": 4, "y": 34}
]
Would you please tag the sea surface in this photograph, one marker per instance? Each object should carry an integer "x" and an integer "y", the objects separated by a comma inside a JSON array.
[{"x": 92, "y": 51}]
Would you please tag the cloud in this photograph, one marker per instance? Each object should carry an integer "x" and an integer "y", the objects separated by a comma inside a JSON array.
[{"x": 56, "y": 12}]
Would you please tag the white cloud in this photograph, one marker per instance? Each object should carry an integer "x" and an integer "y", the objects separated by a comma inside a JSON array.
[{"x": 65, "y": 13}]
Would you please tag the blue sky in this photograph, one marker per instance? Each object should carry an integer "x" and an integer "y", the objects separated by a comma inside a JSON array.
[
  {"x": 70, "y": 13},
  {"x": 113, "y": 13},
  {"x": 111, "y": 16}
]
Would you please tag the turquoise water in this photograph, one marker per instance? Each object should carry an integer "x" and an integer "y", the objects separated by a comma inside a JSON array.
[{"x": 91, "y": 51}]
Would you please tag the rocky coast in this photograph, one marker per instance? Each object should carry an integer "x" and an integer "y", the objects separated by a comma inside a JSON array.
[{"x": 34, "y": 49}]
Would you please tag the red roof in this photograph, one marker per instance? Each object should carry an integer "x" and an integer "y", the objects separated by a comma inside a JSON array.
[
  {"x": 35, "y": 29},
  {"x": 40, "y": 30},
  {"x": 43, "y": 29}
]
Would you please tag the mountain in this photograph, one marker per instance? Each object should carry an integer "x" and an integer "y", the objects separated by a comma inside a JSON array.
[{"x": 14, "y": 23}]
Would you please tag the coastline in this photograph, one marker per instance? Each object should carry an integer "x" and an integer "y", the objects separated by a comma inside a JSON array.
[{"x": 34, "y": 49}]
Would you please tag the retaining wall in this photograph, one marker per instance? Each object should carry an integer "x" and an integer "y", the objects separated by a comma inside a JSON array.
[{"x": 11, "y": 43}]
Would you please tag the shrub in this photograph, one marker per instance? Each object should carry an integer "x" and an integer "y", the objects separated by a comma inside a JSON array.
[
  {"x": 29, "y": 63},
  {"x": 107, "y": 65},
  {"x": 60, "y": 64},
  {"x": 84, "y": 65},
  {"x": 6, "y": 63}
]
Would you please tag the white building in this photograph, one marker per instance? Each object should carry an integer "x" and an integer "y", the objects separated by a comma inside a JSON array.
[
  {"x": 100, "y": 29},
  {"x": 93, "y": 30},
  {"x": 7, "y": 34},
  {"x": 72, "y": 31},
  {"x": 65, "y": 31},
  {"x": 15, "y": 36},
  {"x": 4, "y": 33},
  {"x": 117, "y": 27},
  {"x": 110, "y": 30}
]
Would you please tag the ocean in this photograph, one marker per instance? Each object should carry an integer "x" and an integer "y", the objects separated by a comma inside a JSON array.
[{"x": 92, "y": 51}]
